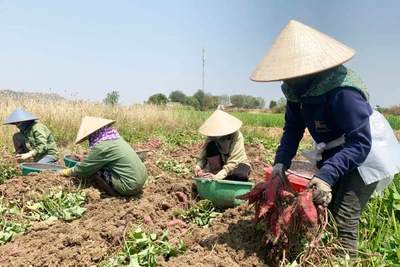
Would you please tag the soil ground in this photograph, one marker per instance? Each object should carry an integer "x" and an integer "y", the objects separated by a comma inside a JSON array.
[{"x": 230, "y": 240}]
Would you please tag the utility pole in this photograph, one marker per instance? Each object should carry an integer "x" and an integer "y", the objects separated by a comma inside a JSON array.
[{"x": 204, "y": 60}]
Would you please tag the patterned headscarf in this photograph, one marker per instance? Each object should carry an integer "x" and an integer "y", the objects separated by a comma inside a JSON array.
[
  {"x": 322, "y": 82},
  {"x": 103, "y": 134}
]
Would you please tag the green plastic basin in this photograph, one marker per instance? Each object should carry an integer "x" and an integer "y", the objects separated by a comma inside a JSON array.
[
  {"x": 28, "y": 167},
  {"x": 70, "y": 160},
  {"x": 142, "y": 154},
  {"x": 222, "y": 192}
]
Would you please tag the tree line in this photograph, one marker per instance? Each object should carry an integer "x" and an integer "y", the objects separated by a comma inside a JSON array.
[{"x": 203, "y": 101}]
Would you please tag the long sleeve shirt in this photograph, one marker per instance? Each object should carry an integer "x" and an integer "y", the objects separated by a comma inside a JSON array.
[
  {"x": 236, "y": 155},
  {"x": 117, "y": 156},
  {"x": 341, "y": 111},
  {"x": 39, "y": 139}
]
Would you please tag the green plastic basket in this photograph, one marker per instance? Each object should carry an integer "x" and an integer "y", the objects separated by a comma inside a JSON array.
[
  {"x": 70, "y": 160},
  {"x": 28, "y": 167},
  {"x": 222, "y": 192}
]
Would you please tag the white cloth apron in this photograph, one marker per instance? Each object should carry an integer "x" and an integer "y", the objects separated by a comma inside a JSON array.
[{"x": 382, "y": 162}]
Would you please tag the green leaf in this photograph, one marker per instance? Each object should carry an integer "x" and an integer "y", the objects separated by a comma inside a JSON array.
[
  {"x": 67, "y": 215},
  {"x": 142, "y": 249},
  {"x": 61, "y": 205},
  {"x": 396, "y": 206},
  {"x": 164, "y": 235},
  {"x": 396, "y": 195},
  {"x": 52, "y": 218},
  {"x": 153, "y": 237},
  {"x": 134, "y": 261},
  {"x": 59, "y": 194},
  {"x": 13, "y": 207},
  {"x": 5, "y": 236}
]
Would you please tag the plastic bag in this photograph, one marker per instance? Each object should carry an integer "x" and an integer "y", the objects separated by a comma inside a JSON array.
[{"x": 383, "y": 162}]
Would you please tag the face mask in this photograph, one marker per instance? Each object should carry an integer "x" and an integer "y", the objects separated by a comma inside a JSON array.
[
  {"x": 220, "y": 138},
  {"x": 296, "y": 83},
  {"x": 24, "y": 125}
]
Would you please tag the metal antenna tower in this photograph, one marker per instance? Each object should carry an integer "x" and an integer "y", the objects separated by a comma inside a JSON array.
[{"x": 204, "y": 60}]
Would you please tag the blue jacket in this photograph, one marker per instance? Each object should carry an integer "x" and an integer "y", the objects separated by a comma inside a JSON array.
[{"x": 327, "y": 117}]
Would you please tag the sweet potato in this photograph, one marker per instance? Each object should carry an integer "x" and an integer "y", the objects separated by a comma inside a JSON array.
[
  {"x": 181, "y": 196},
  {"x": 175, "y": 222},
  {"x": 283, "y": 194},
  {"x": 19, "y": 251},
  {"x": 306, "y": 209},
  {"x": 283, "y": 223},
  {"x": 273, "y": 220},
  {"x": 257, "y": 217},
  {"x": 166, "y": 205},
  {"x": 287, "y": 215},
  {"x": 254, "y": 194},
  {"x": 270, "y": 195},
  {"x": 147, "y": 219}
]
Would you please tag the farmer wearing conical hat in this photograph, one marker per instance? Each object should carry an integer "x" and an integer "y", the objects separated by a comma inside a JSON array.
[
  {"x": 332, "y": 102},
  {"x": 222, "y": 155},
  {"x": 113, "y": 164},
  {"x": 34, "y": 140}
]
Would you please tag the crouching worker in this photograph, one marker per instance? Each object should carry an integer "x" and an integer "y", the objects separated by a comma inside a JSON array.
[
  {"x": 113, "y": 164},
  {"x": 34, "y": 140},
  {"x": 222, "y": 155}
]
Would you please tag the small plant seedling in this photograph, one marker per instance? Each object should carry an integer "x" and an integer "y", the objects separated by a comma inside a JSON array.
[
  {"x": 172, "y": 167},
  {"x": 201, "y": 213},
  {"x": 10, "y": 228},
  {"x": 143, "y": 249},
  {"x": 61, "y": 205},
  {"x": 8, "y": 169}
]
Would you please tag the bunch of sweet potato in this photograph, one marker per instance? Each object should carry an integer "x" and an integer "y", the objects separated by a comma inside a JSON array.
[{"x": 284, "y": 213}]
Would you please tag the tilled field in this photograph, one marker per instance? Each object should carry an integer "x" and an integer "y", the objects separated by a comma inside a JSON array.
[{"x": 230, "y": 239}]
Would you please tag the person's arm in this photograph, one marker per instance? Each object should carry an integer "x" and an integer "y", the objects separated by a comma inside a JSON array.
[
  {"x": 201, "y": 160},
  {"x": 236, "y": 156},
  {"x": 40, "y": 133},
  {"x": 91, "y": 164},
  {"x": 293, "y": 132},
  {"x": 351, "y": 115}
]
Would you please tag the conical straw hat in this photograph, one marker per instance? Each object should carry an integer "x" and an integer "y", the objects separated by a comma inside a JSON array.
[
  {"x": 20, "y": 115},
  {"x": 89, "y": 125},
  {"x": 300, "y": 50},
  {"x": 220, "y": 123}
]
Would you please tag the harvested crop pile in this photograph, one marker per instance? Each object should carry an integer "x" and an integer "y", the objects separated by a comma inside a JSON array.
[{"x": 289, "y": 218}]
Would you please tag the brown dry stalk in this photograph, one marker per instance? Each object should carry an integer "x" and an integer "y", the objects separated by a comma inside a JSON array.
[
  {"x": 312, "y": 248},
  {"x": 283, "y": 258}
]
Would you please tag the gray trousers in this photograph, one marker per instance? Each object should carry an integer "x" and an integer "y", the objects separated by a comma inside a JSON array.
[{"x": 349, "y": 197}]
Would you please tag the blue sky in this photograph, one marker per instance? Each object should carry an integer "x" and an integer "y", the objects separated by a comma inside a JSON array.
[{"x": 85, "y": 49}]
